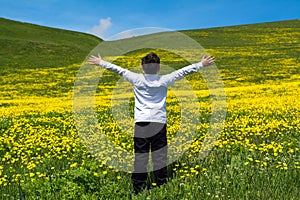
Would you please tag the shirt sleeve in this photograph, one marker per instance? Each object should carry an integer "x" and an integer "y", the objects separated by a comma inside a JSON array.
[
  {"x": 128, "y": 75},
  {"x": 169, "y": 79}
]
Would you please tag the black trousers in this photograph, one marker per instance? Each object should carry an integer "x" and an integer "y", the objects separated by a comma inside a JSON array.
[{"x": 149, "y": 136}]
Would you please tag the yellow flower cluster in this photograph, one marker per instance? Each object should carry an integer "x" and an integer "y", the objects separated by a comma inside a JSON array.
[{"x": 38, "y": 135}]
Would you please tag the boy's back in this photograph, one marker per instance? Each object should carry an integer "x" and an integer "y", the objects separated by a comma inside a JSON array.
[
  {"x": 150, "y": 90},
  {"x": 150, "y": 99}
]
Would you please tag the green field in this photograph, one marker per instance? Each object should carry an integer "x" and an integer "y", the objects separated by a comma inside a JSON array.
[{"x": 255, "y": 157}]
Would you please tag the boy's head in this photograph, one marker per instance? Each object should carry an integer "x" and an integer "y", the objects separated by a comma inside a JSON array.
[{"x": 150, "y": 63}]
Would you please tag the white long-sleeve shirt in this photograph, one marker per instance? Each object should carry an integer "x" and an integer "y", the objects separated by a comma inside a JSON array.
[{"x": 150, "y": 90}]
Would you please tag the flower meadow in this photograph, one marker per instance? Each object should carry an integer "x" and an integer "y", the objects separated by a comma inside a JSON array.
[{"x": 256, "y": 155}]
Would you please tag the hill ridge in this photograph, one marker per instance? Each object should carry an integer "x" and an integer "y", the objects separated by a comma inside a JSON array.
[{"x": 42, "y": 46}]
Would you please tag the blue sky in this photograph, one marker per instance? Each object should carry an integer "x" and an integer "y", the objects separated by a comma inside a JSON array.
[{"x": 108, "y": 17}]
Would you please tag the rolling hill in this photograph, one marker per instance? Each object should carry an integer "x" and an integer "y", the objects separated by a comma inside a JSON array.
[
  {"x": 30, "y": 46},
  {"x": 260, "y": 49},
  {"x": 254, "y": 53},
  {"x": 245, "y": 54}
]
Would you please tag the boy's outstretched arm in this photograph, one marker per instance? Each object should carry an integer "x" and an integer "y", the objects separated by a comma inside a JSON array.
[
  {"x": 128, "y": 75},
  {"x": 179, "y": 74},
  {"x": 97, "y": 60}
]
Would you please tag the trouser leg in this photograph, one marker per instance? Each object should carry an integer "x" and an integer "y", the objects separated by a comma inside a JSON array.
[
  {"x": 141, "y": 150},
  {"x": 139, "y": 176},
  {"x": 159, "y": 156}
]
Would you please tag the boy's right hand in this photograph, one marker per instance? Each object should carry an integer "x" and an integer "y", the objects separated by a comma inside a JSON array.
[
  {"x": 207, "y": 60},
  {"x": 95, "y": 60}
]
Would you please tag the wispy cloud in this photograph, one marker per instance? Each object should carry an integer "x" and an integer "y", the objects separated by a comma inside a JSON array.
[
  {"x": 137, "y": 32},
  {"x": 100, "y": 29}
]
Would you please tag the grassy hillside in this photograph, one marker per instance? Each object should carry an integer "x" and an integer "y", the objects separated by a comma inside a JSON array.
[
  {"x": 246, "y": 54},
  {"x": 254, "y": 53},
  {"x": 256, "y": 155},
  {"x": 31, "y": 46}
]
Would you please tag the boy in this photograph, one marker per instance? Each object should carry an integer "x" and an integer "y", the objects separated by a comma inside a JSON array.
[{"x": 150, "y": 91}]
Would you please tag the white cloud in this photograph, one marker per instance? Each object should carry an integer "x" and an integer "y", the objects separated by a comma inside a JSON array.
[{"x": 101, "y": 28}]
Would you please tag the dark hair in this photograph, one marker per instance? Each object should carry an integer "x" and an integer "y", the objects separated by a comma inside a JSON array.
[
  {"x": 150, "y": 58},
  {"x": 151, "y": 63}
]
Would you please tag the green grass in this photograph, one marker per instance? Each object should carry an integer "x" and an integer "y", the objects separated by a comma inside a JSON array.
[
  {"x": 26, "y": 45},
  {"x": 257, "y": 154},
  {"x": 255, "y": 53}
]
